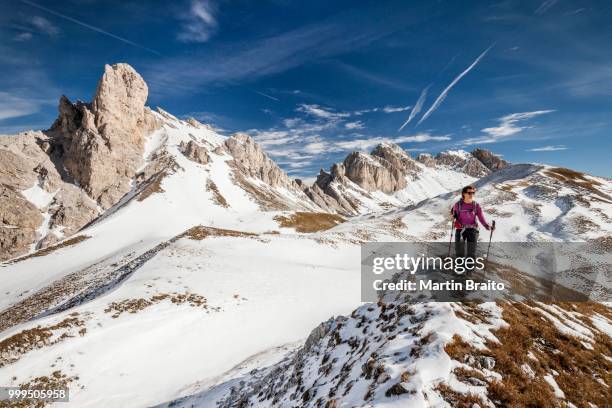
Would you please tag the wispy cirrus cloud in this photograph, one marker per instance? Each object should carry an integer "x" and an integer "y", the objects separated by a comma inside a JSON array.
[
  {"x": 354, "y": 125},
  {"x": 548, "y": 148},
  {"x": 200, "y": 23},
  {"x": 321, "y": 112},
  {"x": 260, "y": 56},
  {"x": 12, "y": 106},
  {"x": 44, "y": 26},
  {"x": 509, "y": 125},
  {"x": 394, "y": 109},
  {"x": 450, "y": 86},
  {"x": 368, "y": 143},
  {"x": 320, "y": 132},
  {"x": 24, "y": 36},
  {"x": 89, "y": 26},
  {"x": 545, "y": 6}
]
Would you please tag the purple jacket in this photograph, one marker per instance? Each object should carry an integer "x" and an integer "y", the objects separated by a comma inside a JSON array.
[{"x": 466, "y": 216}]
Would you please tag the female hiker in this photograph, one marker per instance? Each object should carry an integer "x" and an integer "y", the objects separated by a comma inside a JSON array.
[{"x": 466, "y": 213}]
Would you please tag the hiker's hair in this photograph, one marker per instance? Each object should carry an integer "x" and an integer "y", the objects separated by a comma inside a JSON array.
[{"x": 466, "y": 188}]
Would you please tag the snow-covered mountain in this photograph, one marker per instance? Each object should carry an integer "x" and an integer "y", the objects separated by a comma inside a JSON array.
[{"x": 187, "y": 269}]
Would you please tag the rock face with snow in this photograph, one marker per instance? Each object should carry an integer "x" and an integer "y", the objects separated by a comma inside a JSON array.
[
  {"x": 390, "y": 170},
  {"x": 256, "y": 173},
  {"x": 251, "y": 160},
  {"x": 101, "y": 144},
  {"x": 477, "y": 164},
  {"x": 489, "y": 159},
  {"x": 462, "y": 161},
  {"x": 19, "y": 219},
  {"x": 194, "y": 152},
  {"x": 38, "y": 206},
  {"x": 373, "y": 173},
  {"x": 88, "y": 158}
]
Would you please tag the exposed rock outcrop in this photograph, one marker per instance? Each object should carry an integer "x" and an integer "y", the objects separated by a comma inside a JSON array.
[
  {"x": 489, "y": 159},
  {"x": 194, "y": 152},
  {"x": 373, "y": 173},
  {"x": 33, "y": 193},
  {"x": 390, "y": 169},
  {"x": 427, "y": 159},
  {"x": 251, "y": 160},
  {"x": 19, "y": 220},
  {"x": 101, "y": 144},
  {"x": 462, "y": 161},
  {"x": 251, "y": 166},
  {"x": 85, "y": 162}
]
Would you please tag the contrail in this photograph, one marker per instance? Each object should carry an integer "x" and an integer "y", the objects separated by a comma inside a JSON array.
[
  {"x": 266, "y": 95},
  {"x": 446, "y": 90},
  {"x": 417, "y": 108},
  {"x": 96, "y": 29}
]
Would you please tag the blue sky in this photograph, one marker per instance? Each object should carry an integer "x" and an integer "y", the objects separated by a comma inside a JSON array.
[{"x": 312, "y": 81}]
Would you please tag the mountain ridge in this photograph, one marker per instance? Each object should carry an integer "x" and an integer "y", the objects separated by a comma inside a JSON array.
[{"x": 91, "y": 159}]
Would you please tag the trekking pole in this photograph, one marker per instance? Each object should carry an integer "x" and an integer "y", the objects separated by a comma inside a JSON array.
[
  {"x": 450, "y": 241},
  {"x": 490, "y": 238}
]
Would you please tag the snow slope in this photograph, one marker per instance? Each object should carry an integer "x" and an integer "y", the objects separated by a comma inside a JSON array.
[{"x": 172, "y": 296}]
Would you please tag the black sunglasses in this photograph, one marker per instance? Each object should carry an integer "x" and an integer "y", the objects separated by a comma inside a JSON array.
[{"x": 470, "y": 192}]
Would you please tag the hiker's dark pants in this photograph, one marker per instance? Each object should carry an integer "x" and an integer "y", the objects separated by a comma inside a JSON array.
[{"x": 465, "y": 236}]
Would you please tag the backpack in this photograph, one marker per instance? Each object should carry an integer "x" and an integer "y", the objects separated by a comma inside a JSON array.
[{"x": 457, "y": 206}]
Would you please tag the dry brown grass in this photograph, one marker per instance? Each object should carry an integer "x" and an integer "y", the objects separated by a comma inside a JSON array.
[
  {"x": 201, "y": 232},
  {"x": 457, "y": 399},
  {"x": 55, "y": 381},
  {"x": 266, "y": 198},
  {"x": 152, "y": 186},
  {"x": 53, "y": 248},
  {"x": 578, "y": 180},
  {"x": 14, "y": 347},
  {"x": 217, "y": 197},
  {"x": 465, "y": 374},
  {"x": 309, "y": 221},
  {"x": 530, "y": 333},
  {"x": 136, "y": 305}
]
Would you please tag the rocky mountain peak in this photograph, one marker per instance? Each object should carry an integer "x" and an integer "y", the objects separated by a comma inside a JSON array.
[
  {"x": 458, "y": 160},
  {"x": 375, "y": 172},
  {"x": 119, "y": 104},
  {"x": 253, "y": 161},
  {"x": 396, "y": 157},
  {"x": 489, "y": 159},
  {"x": 101, "y": 144}
]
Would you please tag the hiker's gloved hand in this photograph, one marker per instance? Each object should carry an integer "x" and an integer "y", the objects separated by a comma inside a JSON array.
[{"x": 490, "y": 227}]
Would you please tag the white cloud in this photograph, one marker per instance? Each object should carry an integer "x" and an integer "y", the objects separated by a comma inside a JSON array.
[
  {"x": 545, "y": 6},
  {"x": 548, "y": 148},
  {"x": 446, "y": 90},
  {"x": 508, "y": 126},
  {"x": 200, "y": 23},
  {"x": 13, "y": 106},
  {"x": 316, "y": 147},
  {"x": 43, "y": 25},
  {"x": 393, "y": 109},
  {"x": 23, "y": 37},
  {"x": 321, "y": 112},
  {"x": 89, "y": 26},
  {"x": 354, "y": 125},
  {"x": 367, "y": 144}
]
